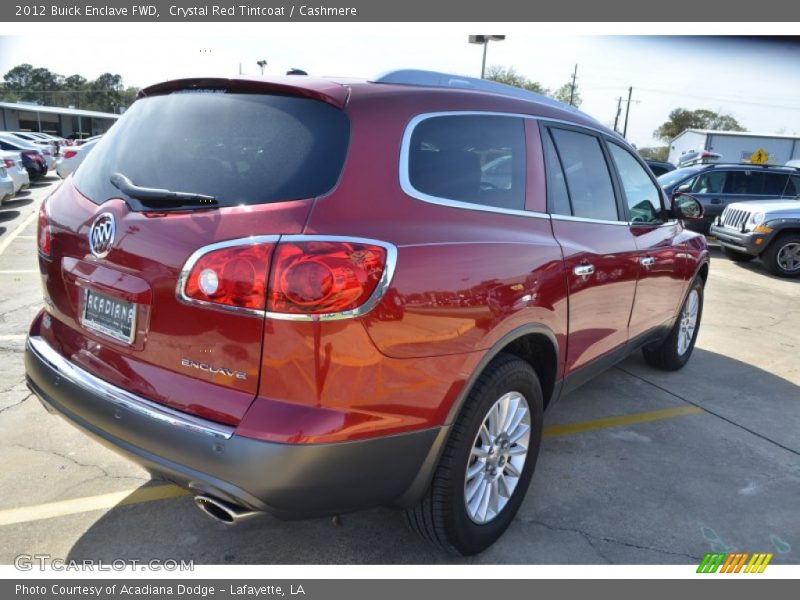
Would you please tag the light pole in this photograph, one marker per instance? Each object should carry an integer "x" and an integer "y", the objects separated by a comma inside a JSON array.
[
  {"x": 484, "y": 40},
  {"x": 262, "y": 64}
]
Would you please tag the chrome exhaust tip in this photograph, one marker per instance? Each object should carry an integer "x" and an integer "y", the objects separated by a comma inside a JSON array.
[{"x": 222, "y": 511}]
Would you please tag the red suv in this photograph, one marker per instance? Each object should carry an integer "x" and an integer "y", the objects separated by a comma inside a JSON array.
[{"x": 308, "y": 296}]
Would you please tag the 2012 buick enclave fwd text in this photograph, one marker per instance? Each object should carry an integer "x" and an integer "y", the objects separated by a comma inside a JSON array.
[{"x": 311, "y": 296}]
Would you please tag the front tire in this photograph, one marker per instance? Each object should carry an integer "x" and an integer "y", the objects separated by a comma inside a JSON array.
[
  {"x": 674, "y": 352},
  {"x": 487, "y": 463},
  {"x": 736, "y": 256},
  {"x": 782, "y": 257}
]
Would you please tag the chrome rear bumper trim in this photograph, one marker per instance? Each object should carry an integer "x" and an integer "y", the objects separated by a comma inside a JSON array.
[{"x": 117, "y": 396}]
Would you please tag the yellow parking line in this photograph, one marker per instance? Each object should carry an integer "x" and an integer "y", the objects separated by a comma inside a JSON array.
[
  {"x": 25, "y": 514},
  {"x": 621, "y": 421}
]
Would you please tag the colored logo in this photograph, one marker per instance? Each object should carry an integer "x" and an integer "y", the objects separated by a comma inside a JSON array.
[
  {"x": 101, "y": 235},
  {"x": 735, "y": 562}
]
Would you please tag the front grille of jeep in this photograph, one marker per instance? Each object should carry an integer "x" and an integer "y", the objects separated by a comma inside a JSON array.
[{"x": 734, "y": 218}]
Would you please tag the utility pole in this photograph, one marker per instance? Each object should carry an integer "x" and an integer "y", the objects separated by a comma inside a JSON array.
[
  {"x": 572, "y": 87},
  {"x": 619, "y": 110},
  {"x": 627, "y": 111}
]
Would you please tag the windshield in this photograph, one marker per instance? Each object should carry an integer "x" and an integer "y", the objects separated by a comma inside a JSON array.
[
  {"x": 239, "y": 148},
  {"x": 668, "y": 179}
]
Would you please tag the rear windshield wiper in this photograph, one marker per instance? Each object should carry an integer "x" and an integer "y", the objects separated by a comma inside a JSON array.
[{"x": 159, "y": 198}]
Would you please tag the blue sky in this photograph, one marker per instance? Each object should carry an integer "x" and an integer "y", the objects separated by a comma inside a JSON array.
[{"x": 755, "y": 82}]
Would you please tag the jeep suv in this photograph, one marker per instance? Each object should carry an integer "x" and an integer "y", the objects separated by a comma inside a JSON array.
[
  {"x": 311, "y": 296},
  {"x": 717, "y": 185},
  {"x": 769, "y": 230}
]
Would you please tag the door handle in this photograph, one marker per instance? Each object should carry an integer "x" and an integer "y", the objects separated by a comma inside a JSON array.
[
  {"x": 583, "y": 271},
  {"x": 647, "y": 261},
  {"x": 716, "y": 201}
]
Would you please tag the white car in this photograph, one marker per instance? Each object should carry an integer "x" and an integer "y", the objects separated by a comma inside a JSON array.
[
  {"x": 12, "y": 161},
  {"x": 71, "y": 158},
  {"x": 48, "y": 148},
  {"x": 6, "y": 185}
]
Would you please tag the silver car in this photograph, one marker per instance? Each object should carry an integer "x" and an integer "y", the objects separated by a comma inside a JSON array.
[
  {"x": 72, "y": 157},
  {"x": 6, "y": 185},
  {"x": 12, "y": 161}
]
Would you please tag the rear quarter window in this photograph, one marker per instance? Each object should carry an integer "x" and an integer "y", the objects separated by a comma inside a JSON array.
[
  {"x": 477, "y": 159},
  {"x": 239, "y": 148}
]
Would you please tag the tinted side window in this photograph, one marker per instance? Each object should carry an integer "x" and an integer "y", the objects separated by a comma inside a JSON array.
[
  {"x": 774, "y": 184},
  {"x": 470, "y": 158},
  {"x": 641, "y": 194},
  {"x": 586, "y": 171},
  {"x": 793, "y": 187},
  {"x": 744, "y": 182},
  {"x": 711, "y": 182},
  {"x": 556, "y": 186}
]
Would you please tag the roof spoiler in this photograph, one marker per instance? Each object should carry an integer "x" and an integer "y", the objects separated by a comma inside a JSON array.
[{"x": 305, "y": 87}]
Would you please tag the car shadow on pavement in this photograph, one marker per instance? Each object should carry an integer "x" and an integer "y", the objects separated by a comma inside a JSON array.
[
  {"x": 17, "y": 202},
  {"x": 8, "y": 215},
  {"x": 741, "y": 400}
]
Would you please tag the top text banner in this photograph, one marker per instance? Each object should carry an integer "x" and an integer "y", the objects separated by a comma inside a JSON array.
[{"x": 402, "y": 10}]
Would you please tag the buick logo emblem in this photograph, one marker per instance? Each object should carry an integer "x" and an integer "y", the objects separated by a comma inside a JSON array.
[{"x": 101, "y": 235}]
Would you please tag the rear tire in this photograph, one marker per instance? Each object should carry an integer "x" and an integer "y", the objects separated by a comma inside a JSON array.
[
  {"x": 452, "y": 514},
  {"x": 782, "y": 256},
  {"x": 736, "y": 256},
  {"x": 674, "y": 352}
]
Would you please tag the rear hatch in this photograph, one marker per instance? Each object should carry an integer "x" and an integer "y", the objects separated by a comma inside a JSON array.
[{"x": 262, "y": 153}]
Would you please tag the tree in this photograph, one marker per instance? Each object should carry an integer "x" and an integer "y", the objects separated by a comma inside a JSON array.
[
  {"x": 655, "y": 152},
  {"x": 562, "y": 94},
  {"x": 509, "y": 76},
  {"x": 681, "y": 119}
]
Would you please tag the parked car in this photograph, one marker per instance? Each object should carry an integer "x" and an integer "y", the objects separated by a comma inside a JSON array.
[
  {"x": 72, "y": 157},
  {"x": 12, "y": 161},
  {"x": 659, "y": 167},
  {"x": 769, "y": 230},
  {"x": 32, "y": 158},
  {"x": 316, "y": 303},
  {"x": 46, "y": 147},
  {"x": 697, "y": 157},
  {"x": 6, "y": 185},
  {"x": 53, "y": 139},
  {"x": 717, "y": 185}
]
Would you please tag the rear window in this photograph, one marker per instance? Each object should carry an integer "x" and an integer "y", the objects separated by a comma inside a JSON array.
[{"x": 239, "y": 148}]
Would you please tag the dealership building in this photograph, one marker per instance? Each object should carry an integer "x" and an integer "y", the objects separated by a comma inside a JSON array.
[
  {"x": 55, "y": 120},
  {"x": 736, "y": 146}
]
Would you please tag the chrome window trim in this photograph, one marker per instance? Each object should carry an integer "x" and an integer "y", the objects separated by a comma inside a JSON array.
[
  {"x": 123, "y": 398},
  {"x": 410, "y": 190},
  {"x": 372, "y": 301},
  {"x": 588, "y": 220},
  {"x": 198, "y": 254}
]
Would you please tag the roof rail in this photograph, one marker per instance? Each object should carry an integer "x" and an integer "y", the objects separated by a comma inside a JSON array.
[{"x": 447, "y": 80}]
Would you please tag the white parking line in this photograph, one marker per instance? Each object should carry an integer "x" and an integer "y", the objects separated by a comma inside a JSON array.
[
  {"x": 19, "y": 271},
  {"x": 10, "y": 237},
  {"x": 16, "y": 337}
]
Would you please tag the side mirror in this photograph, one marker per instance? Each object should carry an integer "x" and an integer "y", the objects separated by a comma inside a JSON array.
[
  {"x": 686, "y": 207},
  {"x": 683, "y": 188}
]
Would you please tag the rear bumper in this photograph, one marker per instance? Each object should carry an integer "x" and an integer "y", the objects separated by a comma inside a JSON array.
[
  {"x": 748, "y": 243},
  {"x": 287, "y": 480}
]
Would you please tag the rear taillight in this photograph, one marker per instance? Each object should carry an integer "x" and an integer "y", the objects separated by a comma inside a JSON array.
[
  {"x": 233, "y": 274},
  {"x": 291, "y": 277},
  {"x": 44, "y": 233},
  {"x": 69, "y": 153},
  {"x": 321, "y": 277}
]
